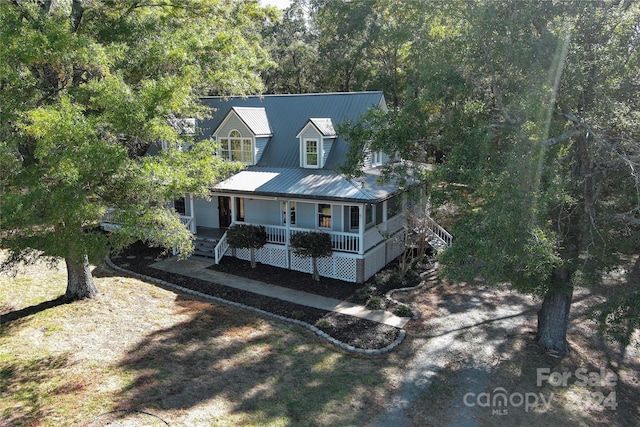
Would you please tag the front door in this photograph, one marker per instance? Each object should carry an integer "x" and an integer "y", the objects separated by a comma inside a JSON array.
[{"x": 224, "y": 211}]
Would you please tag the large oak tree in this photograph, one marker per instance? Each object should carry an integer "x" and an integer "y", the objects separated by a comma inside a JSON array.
[
  {"x": 87, "y": 87},
  {"x": 535, "y": 106}
]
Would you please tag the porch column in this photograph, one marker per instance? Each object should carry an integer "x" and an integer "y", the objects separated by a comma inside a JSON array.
[
  {"x": 192, "y": 213},
  {"x": 287, "y": 230},
  {"x": 384, "y": 215},
  {"x": 233, "y": 210},
  {"x": 361, "y": 225}
]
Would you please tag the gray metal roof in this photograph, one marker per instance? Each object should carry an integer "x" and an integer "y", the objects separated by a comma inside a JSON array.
[
  {"x": 287, "y": 114},
  {"x": 306, "y": 184},
  {"x": 324, "y": 126},
  {"x": 278, "y": 172},
  {"x": 255, "y": 119}
]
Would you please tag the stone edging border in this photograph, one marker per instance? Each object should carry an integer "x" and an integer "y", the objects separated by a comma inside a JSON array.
[
  {"x": 336, "y": 343},
  {"x": 414, "y": 314}
]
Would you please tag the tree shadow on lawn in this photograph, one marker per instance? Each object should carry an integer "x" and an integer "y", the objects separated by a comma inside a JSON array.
[
  {"x": 259, "y": 371},
  {"x": 14, "y": 315},
  {"x": 469, "y": 387},
  {"x": 23, "y": 379}
]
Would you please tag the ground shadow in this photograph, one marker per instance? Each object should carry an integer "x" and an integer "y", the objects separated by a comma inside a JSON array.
[
  {"x": 34, "y": 309},
  {"x": 262, "y": 372}
]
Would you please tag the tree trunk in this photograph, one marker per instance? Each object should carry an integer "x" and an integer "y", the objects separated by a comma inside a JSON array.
[
  {"x": 79, "y": 280},
  {"x": 553, "y": 320},
  {"x": 314, "y": 263}
]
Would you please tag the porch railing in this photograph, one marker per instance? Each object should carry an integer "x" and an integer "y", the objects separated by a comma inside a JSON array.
[
  {"x": 340, "y": 241},
  {"x": 221, "y": 248},
  {"x": 443, "y": 237}
]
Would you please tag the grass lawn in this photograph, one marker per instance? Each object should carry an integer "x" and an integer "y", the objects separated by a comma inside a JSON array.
[
  {"x": 142, "y": 355},
  {"x": 151, "y": 356}
]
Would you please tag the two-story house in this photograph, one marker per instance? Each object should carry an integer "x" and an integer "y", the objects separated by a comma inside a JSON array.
[{"x": 291, "y": 149}]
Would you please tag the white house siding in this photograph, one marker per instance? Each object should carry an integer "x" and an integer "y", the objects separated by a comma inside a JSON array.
[
  {"x": 267, "y": 212},
  {"x": 327, "y": 143},
  {"x": 206, "y": 212},
  {"x": 306, "y": 214},
  {"x": 233, "y": 122},
  {"x": 337, "y": 218},
  {"x": 374, "y": 260},
  {"x": 261, "y": 144}
]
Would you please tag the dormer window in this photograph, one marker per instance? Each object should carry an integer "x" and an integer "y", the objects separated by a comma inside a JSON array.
[
  {"x": 237, "y": 148},
  {"x": 311, "y": 153},
  {"x": 316, "y": 139}
]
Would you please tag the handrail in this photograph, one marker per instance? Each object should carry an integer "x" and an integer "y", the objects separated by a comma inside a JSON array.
[
  {"x": 221, "y": 248},
  {"x": 436, "y": 230}
]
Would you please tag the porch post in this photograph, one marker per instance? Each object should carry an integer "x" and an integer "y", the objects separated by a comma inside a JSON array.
[
  {"x": 384, "y": 215},
  {"x": 233, "y": 210},
  {"x": 287, "y": 230},
  {"x": 192, "y": 213},
  {"x": 361, "y": 225}
]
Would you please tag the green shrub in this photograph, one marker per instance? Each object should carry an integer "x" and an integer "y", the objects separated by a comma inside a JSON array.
[
  {"x": 323, "y": 324},
  {"x": 375, "y": 303},
  {"x": 363, "y": 294},
  {"x": 403, "y": 311}
]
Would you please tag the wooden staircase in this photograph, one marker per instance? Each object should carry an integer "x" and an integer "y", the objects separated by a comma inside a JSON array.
[{"x": 205, "y": 247}]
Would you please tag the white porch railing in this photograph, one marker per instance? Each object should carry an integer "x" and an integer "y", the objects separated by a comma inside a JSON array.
[
  {"x": 221, "y": 248},
  {"x": 442, "y": 237},
  {"x": 188, "y": 222},
  {"x": 340, "y": 241}
]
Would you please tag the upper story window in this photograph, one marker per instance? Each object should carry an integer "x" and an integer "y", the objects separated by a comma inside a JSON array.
[
  {"x": 311, "y": 152},
  {"x": 376, "y": 158},
  {"x": 316, "y": 139},
  {"x": 237, "y": 148}
]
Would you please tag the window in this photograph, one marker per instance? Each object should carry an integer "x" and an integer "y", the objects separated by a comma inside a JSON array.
[
  {"x": 324, "y": 216},
  {"x": 376, "y": 158},
  {"x": 355, "y": 217},
  {"x": 240, "y": 209},
  {"x": 236, "y": 148},
  {"x": 293, "y": 212},
  {"x": 311, "y": 153},
  {"x": 393, "y": 207},
  {"x": 369, "y": 214},
  {"x": 180, "y": 206}
]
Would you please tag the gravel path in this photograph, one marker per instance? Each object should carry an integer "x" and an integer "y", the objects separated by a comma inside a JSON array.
[{"x": 469, "y": 328}]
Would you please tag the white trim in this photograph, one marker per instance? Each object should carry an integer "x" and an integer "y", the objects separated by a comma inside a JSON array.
[
  {"x": 319, "y": 153},
  {"x": 227, "y": 141}
]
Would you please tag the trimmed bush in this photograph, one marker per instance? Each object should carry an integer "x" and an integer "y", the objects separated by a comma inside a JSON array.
[
  {"x": 250, "y": 237},
  {"x": 314, "y": 245}
]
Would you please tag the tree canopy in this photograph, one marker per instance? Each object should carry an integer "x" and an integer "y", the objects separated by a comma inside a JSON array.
[
  {"x": 533, "y": 105},
  {"x": 87, "y": 88}
]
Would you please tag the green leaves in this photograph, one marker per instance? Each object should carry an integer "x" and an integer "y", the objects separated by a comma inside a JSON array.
[
  {"x": 87, "y": 91},
  {"x": 312, "y": 244}
]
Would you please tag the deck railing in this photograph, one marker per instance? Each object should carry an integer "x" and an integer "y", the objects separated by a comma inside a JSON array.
[
  {"x": 340, "y": 241},
  {"x": 442, "y": 236},
  {"x": 221, "y": 248}
]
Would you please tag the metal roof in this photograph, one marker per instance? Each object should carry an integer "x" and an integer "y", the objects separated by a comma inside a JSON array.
[
  {"x": 287, "y": 114},
  {"x": 255, "y": 119},
  {"x": 306, "y": 184},
  {"x": 324, "y": 126},
  {"x": 278, "y": 172}
]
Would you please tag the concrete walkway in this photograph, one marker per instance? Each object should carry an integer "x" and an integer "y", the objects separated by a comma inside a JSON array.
[{"x": 198, "y": 269}]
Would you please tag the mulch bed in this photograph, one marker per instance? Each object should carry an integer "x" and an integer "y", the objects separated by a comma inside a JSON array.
[{"x": 359, "y": 333}]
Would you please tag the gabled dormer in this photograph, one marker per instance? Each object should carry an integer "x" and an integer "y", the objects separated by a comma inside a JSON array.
[
  {"x": 243, "y": 135},
  {"x": 316, "y": 139}
]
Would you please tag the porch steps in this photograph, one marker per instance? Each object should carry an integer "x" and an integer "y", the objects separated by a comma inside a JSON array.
[{"x": 205, "y": 247}]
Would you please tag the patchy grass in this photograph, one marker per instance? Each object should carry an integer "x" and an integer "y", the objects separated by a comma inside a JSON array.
[
  {"x": 142, "y": 355},
  {"x": 148, "y": 356}
]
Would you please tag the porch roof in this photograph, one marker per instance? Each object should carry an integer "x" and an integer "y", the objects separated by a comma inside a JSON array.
[{"x": 306, "y": 184}]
